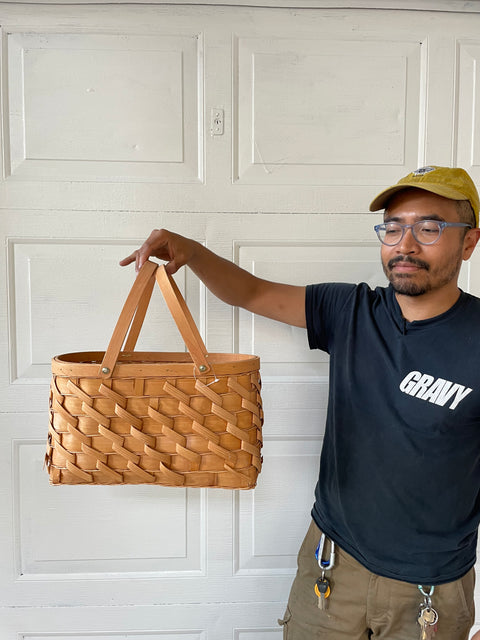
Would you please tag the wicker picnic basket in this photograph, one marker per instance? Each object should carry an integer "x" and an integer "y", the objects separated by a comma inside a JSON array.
[{"x": 178, "y": 419}]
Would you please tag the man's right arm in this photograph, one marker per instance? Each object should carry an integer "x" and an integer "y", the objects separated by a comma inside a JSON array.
[{"x": 227, "y": 281}]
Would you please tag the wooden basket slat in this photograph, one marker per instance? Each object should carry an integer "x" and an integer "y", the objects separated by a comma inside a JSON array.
[{"x": 140, "y": 444}]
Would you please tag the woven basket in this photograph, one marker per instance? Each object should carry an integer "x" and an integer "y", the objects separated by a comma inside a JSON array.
[{"x": 178, "y": 419}]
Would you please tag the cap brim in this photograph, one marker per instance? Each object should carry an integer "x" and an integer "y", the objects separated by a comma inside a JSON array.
[{"x": 381, "y": 201}]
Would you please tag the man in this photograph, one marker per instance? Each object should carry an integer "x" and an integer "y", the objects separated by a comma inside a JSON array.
[{"x": 391, "y": 548}]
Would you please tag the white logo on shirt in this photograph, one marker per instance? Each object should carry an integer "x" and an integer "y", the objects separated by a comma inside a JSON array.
[{"x": 435, "y": 390}]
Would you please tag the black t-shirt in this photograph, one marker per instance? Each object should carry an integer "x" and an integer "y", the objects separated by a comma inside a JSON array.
[{"x": 400, "y": 465}]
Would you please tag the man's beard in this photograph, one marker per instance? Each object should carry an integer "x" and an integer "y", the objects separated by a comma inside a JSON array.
[{"x": 404, "y": 284}]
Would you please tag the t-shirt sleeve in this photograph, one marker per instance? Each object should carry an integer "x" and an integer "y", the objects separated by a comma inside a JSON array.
[{"x": 324, "y": 312}]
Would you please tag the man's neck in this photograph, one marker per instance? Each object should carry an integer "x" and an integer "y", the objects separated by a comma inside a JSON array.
[{"x": 428, "y": 305}]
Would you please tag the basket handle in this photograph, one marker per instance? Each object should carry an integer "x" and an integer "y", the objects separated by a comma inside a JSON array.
[
  {"x": 133, "y": 315},
  {"x": 183, "y": 319}
]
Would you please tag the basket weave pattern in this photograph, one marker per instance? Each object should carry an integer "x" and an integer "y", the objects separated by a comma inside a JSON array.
[
  {"x": 178, "y": 432},
  {"x": 177, "y": 419}
]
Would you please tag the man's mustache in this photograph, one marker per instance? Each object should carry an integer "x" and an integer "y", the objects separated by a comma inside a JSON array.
[{"x": 418, "y": 263}]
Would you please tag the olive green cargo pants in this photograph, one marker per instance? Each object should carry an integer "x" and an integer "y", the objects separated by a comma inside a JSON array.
[{"x": 364, "y": 606}]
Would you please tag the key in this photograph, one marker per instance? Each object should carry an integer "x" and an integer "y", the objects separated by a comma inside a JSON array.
[
  {"x": 427, "y": 619},
  {"x": 322, "y": 590},
  {"x": 422, "y": 622}
]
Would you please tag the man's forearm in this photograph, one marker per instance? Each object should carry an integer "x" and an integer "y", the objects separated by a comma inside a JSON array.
[
  {"x": 223, "y": 278},
  {"x": 226, "y": 280}
]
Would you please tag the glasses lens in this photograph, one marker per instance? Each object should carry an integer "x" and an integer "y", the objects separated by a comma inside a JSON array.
[
  {"x": 390, "y": 233},
  {"x": 427, "y": 231}
]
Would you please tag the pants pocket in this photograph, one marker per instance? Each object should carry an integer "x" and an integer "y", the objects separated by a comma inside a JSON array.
[{"x": 466, "y": 588}]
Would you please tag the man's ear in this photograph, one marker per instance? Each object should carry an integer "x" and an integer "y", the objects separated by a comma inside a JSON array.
[{"x": 470, "y": 242}]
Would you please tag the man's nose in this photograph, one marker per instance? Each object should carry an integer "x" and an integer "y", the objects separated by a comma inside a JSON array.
[{"x": 408, "y": 244}]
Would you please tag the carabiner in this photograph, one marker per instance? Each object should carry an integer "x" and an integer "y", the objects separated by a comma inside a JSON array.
[
  {"x": 325, "y": 565},
  {"x": 426, "y": 595}
]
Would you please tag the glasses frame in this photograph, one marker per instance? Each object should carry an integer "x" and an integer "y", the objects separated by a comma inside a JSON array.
[{"x": 441, "y": 225}]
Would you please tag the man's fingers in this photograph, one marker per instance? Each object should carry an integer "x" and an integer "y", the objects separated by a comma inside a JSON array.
[
  {"x": 137, "y": 257},
  {"x": 142, "y": 257},
  {"x": 171, "y": 267},
  {"x": 128, "y": 260},
  {"x": 160, "y": 244}
]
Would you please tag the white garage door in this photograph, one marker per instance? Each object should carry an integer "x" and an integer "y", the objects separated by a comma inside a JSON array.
[{"x": 262, "y": 132}]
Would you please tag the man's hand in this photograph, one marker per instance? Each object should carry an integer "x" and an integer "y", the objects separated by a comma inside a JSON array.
[{"x": 176, "y": 250}]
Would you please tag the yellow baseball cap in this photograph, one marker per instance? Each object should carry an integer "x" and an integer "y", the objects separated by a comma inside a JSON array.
[{"x": 453, "y": 183}]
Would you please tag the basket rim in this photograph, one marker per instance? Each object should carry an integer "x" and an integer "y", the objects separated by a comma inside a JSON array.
[
  {"x": 151, "y": 357},
  {"x": 148, "y": 363}
]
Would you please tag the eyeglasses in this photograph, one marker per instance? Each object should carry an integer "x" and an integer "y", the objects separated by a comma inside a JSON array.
[{"x": 424, "y": 231}]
